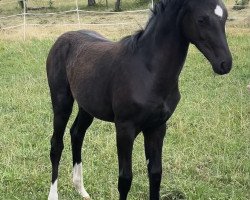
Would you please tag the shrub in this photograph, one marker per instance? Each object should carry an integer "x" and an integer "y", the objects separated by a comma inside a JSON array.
[{"x": 240, "y": 4}]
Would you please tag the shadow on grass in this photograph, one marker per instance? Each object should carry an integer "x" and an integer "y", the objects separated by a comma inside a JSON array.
[{"x": 173, "y": 195}]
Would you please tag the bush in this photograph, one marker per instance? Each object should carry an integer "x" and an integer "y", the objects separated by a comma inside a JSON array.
[{"x": 240, "y": 4}]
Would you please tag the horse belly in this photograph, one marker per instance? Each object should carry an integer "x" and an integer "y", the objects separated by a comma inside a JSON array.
[
  {"x": 90, "y": 88},
  {"x": 94, "y": 100},
  {"x": 101, "y": 111}
]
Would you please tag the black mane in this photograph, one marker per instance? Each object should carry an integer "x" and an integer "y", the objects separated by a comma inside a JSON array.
[
  {"x": 162, "y": 5},
  {"x": 170, "y": 6}
]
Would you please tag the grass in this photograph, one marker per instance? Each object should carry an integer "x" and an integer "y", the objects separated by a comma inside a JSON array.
[{"x": 206, "y": 152}]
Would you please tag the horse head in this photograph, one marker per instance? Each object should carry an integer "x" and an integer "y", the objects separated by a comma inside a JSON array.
[{"x": 203, "y": 24}]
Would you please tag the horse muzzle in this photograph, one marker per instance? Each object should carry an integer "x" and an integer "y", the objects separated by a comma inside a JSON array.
[{"x": 223, "y": 67}]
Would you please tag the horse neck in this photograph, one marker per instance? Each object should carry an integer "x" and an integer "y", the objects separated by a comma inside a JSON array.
[{"x": 165, "y": 50}]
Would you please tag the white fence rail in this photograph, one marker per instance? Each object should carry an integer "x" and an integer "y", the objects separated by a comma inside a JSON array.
[{"x": 25, "y": 15}]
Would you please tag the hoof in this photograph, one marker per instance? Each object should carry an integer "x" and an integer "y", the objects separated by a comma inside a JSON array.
[{"x": 53, "y": 197}]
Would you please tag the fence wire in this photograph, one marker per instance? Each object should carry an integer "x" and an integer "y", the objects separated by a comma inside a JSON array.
[{"x": 71, "y": 13}]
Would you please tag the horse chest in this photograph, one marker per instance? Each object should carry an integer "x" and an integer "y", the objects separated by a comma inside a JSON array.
[
  {"x": 159, "y": 112},
  {"x": 157, "y": 115}
]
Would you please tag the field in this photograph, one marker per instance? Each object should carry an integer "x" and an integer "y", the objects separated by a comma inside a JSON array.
[{"x": 206, "y": 152}]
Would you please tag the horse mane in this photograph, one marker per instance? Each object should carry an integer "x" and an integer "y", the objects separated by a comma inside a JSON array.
[
  {"x": 158, "y": 10},
  {"x": 131, "y": 41}
]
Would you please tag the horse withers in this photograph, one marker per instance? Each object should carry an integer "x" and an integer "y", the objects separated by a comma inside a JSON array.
[{"x": 132, "y": 82}]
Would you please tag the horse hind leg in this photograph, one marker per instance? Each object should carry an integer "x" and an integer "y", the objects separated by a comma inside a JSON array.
[
  {"x": 78, "y": 130},
  {"x": 62, "y": 102}
]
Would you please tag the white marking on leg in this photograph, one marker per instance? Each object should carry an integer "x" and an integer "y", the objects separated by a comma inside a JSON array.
[
  {"x": 218, "y": 11},
  {"x": 147, "y": 161},
  {"x": 53, "y": 195},
  {"x": 78, "y": 180},
  {"x": 248, "y": 87}
]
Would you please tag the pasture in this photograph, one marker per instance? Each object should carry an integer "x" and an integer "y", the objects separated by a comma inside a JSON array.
[{"x": 206, "y": 151}]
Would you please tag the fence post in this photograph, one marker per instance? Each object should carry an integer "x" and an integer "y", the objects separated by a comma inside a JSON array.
[
  {"x": 77, "y": 12},
  {"x": 24, "y": 20}
]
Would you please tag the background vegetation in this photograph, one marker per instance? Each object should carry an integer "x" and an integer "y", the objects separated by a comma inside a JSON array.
[
  {"x": 239, "y": 4},
  {"x": 90, "y": 4}
]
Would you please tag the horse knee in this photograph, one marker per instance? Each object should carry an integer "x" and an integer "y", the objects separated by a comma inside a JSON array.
[
  {"x": 124, "y": 184},
  {"x": 155, "y": 181},
  {"x": 56, "y": 147},
  {"x": 155, "y": 174},
  {"x": 156, "y": 177}
]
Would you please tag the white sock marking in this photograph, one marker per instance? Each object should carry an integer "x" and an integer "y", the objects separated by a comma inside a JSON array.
[
  {"x": 53, "y": 191},
  {"x": 78, "y": 180},
  {"x": 218, "y": 11}
]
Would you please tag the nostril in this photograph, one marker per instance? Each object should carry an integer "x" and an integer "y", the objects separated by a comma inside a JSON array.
[{"x": 223, "y": 65}]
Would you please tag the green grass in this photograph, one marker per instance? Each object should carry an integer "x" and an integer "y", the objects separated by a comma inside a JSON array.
[{"x": 206, "y": 152}]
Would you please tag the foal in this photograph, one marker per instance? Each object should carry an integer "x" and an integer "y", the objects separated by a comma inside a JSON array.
[{"x": 133, "y": 83}]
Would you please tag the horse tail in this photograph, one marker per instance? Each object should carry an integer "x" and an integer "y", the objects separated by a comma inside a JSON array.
[{"x": 56, "y": 64}]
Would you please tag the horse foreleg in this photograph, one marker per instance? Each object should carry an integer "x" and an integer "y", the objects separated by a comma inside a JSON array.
[
  {"x": 125, "y": 139},
  {"x": 153, "y": 141},
  {"x": 79, "y": 127}
]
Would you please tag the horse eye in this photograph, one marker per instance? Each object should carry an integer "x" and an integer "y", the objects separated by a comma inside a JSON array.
[{"x": 203, "y": 20}]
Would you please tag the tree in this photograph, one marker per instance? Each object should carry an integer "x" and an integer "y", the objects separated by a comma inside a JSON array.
[
  {"x": 91, "y": 2},
  {"x": 240, "y": 4},
  {"x": 118, "y": 5},
  {"x": 22, "y": 3}
]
